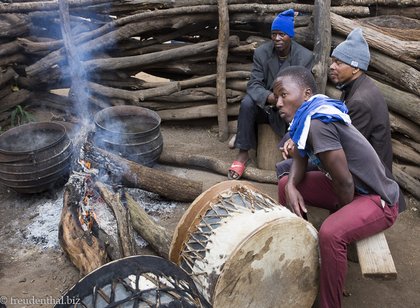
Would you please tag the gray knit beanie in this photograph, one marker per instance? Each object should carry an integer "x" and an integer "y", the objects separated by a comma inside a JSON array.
[{"x": 354, "y": 50}]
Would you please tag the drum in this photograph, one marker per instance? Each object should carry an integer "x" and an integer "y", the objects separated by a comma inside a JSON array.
[
  {"x": 137, "y": 281},
  {"x": 243, "y": 249}
]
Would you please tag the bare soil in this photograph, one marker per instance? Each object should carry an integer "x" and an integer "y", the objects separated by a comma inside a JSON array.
[{"x": 29, "y": 269}]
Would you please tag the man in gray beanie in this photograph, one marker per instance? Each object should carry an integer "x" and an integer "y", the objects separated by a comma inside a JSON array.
[
  {"x": 259, "y": 103},
  {"x": 366, "y": 104}
]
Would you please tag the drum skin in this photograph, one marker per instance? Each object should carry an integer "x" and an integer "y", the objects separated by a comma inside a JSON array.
[{"x": 243, "y": 249}]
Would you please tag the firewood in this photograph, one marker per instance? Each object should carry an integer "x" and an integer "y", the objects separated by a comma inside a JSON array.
[
  {"x": 136, "y": 175},
  {"x": 122, "y": 215},
  {"x": 13, "y": 25},
  {"x": 6, "y": 75},
  {"x": 413, "y": 171},
  {"x": 411, "y": 12},
  {"x": 406, "y": 181},
  {"x": 43, "y": 5},
  {"x": 158, "y": 237},
  {"x": 38, "y": 48},
  {"x": 199, "y": 95},
  {"x": 85, "y": 250},
  {"x": 377, "y": 2},
  {"x": 133, "y": 96},
  {"x": 156, "y": 57},
  {"x": 173, "y": 157},
  {"x": 322, "y": 26},
  {"x": 17, "y": 58},
  {"x": 409, "y": 142},
  {"x": 207, "y": 111},
  {"x": 401, "y": 102},
  {"x": 404, "y": 126},
  {"x": 12, "y": 47},
  {"x": 405, "y": 153},
  {"x": 13, "y": 99}
]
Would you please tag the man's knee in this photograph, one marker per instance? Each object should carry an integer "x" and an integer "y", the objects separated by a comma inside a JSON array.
[{"x": 247, "y": 104}]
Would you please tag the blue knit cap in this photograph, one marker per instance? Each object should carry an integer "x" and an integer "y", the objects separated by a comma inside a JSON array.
[
  {"x": 354, "y": 51},
  {"x": 284, "y": 22}
]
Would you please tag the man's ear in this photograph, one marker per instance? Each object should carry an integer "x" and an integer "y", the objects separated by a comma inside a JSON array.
[
  {"x": 355, "y": 70},
  {"x": 307, "y": 93}
]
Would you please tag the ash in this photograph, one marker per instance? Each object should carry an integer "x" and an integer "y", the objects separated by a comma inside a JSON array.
[
  {"x": 43, "y": 228},
  {"x": 152, "y": 203}
]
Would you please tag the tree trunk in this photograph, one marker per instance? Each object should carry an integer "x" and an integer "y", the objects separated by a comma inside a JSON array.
[{"x": 322, "y": 40}]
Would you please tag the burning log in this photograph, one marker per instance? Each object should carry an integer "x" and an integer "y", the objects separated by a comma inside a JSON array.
[
  {"x": 136, "y": 175},
  {"x": 122, "y": 215}
]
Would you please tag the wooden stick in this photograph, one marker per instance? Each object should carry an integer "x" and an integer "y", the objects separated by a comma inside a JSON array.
[
  {"x": 207, "y": 111},
  {"x": 222, "y": 55}
]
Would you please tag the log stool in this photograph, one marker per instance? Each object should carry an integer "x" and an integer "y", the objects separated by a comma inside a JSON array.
[{"x": 268, "y": 153}]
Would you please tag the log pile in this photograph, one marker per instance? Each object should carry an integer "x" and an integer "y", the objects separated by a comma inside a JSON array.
[{"x": 207, "y": 68}]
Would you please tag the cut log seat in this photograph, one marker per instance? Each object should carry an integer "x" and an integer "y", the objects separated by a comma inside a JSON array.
[{"x": 375, "y": 258}]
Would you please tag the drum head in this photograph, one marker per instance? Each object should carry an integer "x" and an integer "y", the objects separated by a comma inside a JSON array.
[
  {"x": 276, "y": 266},
  {"x": 138, "y": 281}
]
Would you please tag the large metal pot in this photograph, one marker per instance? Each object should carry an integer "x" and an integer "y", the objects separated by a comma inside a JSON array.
[
  {"x": 34, "y": 156},
  {"x": 131, "y": 131}
]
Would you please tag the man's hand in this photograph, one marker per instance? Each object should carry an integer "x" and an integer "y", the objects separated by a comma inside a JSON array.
[
  {"x": 294, "y": 200},
  {"x": 287, "y": 150},
  {"x": 271, "y": 100}
]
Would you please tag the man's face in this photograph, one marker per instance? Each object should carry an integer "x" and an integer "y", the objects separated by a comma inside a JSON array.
[
  {"x": 341, "y": 72},
  {"x": 289, "y": 97},
  {"x": 281, "y": 41}
]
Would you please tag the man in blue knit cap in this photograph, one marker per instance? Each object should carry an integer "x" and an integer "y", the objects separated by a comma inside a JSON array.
[{"x": 259, "y": 104}]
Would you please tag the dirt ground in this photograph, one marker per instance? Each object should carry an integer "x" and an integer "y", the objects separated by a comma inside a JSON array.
[{"x": 31, "y": 268}]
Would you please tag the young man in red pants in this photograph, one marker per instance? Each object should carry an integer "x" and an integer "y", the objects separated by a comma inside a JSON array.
[{"x": 351, "y": 182}]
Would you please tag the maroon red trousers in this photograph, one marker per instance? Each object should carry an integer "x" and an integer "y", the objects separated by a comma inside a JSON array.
[{"x": 363, "y": 217}]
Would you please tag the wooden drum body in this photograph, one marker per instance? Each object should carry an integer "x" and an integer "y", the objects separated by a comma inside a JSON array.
[{"x": 243, "y": 249}]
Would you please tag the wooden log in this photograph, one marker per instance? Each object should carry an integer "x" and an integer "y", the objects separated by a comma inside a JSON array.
[
  {"x": 405, "y": 153},
  {"x": 411, "y": 12},
  {"x": 268, "y": 153},
  {"x": 132, "y": 96},
  {"x": 399, "y": 72},
  {"x": 409, "y": 142},
  {"x": 407, "y": 182},
  {"x": 207, "y": 111},
  {"x": 158, "y": 237},
  {"x": 38, "y": 48},
  {"x": 13, "y": 99},
  {"x": 401, "y": 102},
  {"x": 156, "y": 57},
  {"x": 12, "y": 60},
  {"x": 9, "y": 48},
  {"x": 199, "y": 94},
  {"x": 322, "y": 48},
  {"x": 413, "y": 171},
  {"x": 171, "y": 156},
  {"x": 401, "y": 125},
  {"x": 84, "y": 250},
  {"x": 222, "y": 56},
  {"x": 136, "y": 175},
  {"x": 7, "y": 75},
  {"x": 13, "y": 25},
  {"x": 406, "y": 51},
  {"x": 122, "y": 215}
]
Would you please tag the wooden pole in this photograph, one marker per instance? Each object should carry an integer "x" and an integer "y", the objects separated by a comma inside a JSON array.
[
  {"x": 322, "y": 40},
  {"x": 222, "y": 55}
]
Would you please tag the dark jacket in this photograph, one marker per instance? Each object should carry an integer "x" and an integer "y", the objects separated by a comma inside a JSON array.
[
  {"x": 266, "y": 67},
  {"x": 369, "y": 114}
]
